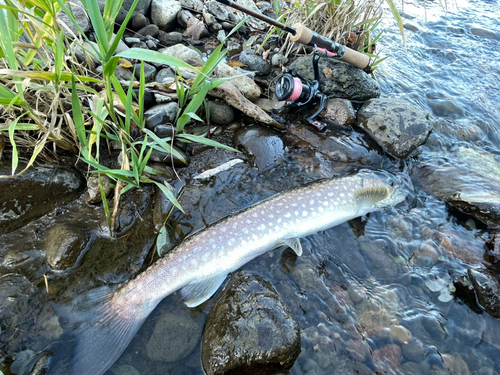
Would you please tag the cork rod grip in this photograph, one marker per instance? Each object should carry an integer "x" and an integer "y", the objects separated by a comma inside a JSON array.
[{"x": 307, "y": 36}]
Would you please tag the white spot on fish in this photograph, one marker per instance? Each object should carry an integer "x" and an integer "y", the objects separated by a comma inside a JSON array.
[
  {"x": 311, "y": 202},
  {"x": 294, "y": 204},
  {"x": 296, "y": 213},
  {"x": 271, "y": 216},
  {"x": 314, "y": 213},
  {"x": 285, "y": 225},
  {"x": 325, "y": 203},
  {"x": 342, "y": 194},
  {"x": 304, "y": 213},
  {"x": 330, "y": 194},
  {"x": 304, "y": 205},
  {"x": 288, "y": 214},
  {"x": 279, "y": 220},
  {"x": 276, "y": 228},
  {"x": 320, "y": 209},
  {"x": 254, "y": 214},
  {"x": 245, "y": 231}
]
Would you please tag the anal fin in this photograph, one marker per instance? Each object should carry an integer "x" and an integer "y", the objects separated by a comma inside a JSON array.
[
  {"x": 294, "y": 244},
  {"x": 199, "y": 291}
]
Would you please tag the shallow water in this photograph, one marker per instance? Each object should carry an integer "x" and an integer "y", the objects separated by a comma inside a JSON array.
[{"x": 375, "y": 294}]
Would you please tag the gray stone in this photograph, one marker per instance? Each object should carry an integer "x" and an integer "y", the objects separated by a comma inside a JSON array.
[
  {"x": 149, "y": 72},
  {"x": 278, "y": 60},
  {"x": 339, "y": 79},
  {"x": 81, "y": 18},
  {"x": 487, "y": 288},
  {"x": 175, "y": 335},
  {"x": 184, "y": 53},
  {"x": 163, "y": 74},
  {"x": 131, "y": 41},
  {"x": 169, "y": 38},
  {"x": 196, "y": 5},
  {"x": 184, "y": 16},
  {"x": 34, "y": 193},
  {"x": 255, "y": 62},
  {"x": 249, "y": 330},
  {"x": 167, "y": 158},
  {"x": 94, "y": 189},
  {"x": 63, "y": 246},
  {"x": 138, "y": 21},
  {"x": 339, "y": 111},
  {"x": 151, "y": 45},
  {"x": 123, "y": 74},
  {"x": 245, "y": 84},
  {"x": 489, "y": 34},
  {"x": 217, "y": 10},
  {"x": 164, "y": 131},
  {"x": 410, "y": 26},
  {"x": 164, "y": 13},
  {"x": 263, "y": 146},
  {"x": 396, "y": 125},
  {"x": 85, "y": 54},
  {"x": 160, "y": 114},
  {"x": 142, "y": 8},
  {"x": 151, "y": 30},
  {"x": 220, "y": 113},
  {"x": 124, "y": 370}
]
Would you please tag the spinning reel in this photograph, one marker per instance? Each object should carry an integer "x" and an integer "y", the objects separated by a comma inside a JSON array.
[{"x": 299, "y": 92}]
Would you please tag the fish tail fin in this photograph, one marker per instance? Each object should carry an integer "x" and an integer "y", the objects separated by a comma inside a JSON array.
[{"x": 102, "y": 329}]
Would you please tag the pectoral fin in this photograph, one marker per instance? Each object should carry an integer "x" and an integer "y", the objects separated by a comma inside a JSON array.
[
  {"x": 294, "y": 244},
  {"x": 197, "y": 292},
  {"x": 367, "y": 197}
]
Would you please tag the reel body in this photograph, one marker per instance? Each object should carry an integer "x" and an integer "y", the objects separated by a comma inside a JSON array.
[{"x": 299, "y": 92}]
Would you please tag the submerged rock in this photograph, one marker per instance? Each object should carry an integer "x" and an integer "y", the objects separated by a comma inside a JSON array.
[
  {"x": 263, "y": 146},
  {"x": 339, "y": 79},
  {"x": 175, "y": 335},
  {"x": 36, "y": 192},
  {"x": 395, "y": 124},
  {"x": 487, "y": 288},
  {"x": 249, "y": 330}
]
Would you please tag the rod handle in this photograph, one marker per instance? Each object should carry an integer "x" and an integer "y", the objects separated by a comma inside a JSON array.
[{"x": 306, "y": 36}]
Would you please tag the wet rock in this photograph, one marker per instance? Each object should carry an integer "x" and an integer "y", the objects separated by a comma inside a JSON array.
[
  {"x": 164, "y": 131},
  {"x": 372, "y": 317},
  {"x": 130, "y": 42},
  {"x": 184, "y": 53},
  {"x": 163, "y": 74},
  {"x": 255, "y": 62},
  {"x": 358, "y": 350},
  {"x": 339, "y": 111},
  {"x": 410, "y": 368},
  {"x": 445, "y": 108},
  {"x": 149, "y": 72},
  {"x": 395, "y": 124},
  {"x": 184, "y": 16},
  {"x": 196, "y": 5},
  {"x": 400, "y": 334},
  {"x": 160, "y": 114},
  {"x": 233, "y": 127},
  {"x": 94, "y": 189},
  {"x": 263, "y": 146},
  {"x": 221, "y": 113},
  {"x": 175, "y": 335},
  {"x": 465, "y": 177},
  {"x": 63, "y": 246},
  {"x": 410, "y": 26},
  {"x": 379, "y": 260},
  {"x": 36, "y": 192},
  {"x": 345, "y": 82},
  {"x": 138, "y": 21},
  {"x": 124, "y": 370},
  {"x": 142, "y": 8},
  {"x": 235, "y": 98},
  {"x": 169, "y": 38},
  {"x": 167, "y": 158},
  {"x": 414, "y": 350},
  {"x": 151, "y": 30},
  {"x": 390, "y": 353},
  {"x": 479, "y": 31},
  {"x": 249, "y": 330},
  {"x": 81, "y": 18},
  {"x": 487, "y": 287},
  {"x": 164, "y": 13},
  {"x": 245, "y": 84}
]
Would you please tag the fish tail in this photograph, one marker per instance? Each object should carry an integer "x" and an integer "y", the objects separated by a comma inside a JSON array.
[{"x": 102, "y": 328}]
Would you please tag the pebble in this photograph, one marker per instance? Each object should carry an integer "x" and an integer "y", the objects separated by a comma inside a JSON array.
[
  {"x": 131, "y": 41},
  {"x": 138, "y": 21}
]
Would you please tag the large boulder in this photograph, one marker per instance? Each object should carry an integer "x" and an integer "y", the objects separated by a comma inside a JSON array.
[
  {"x": 164, "y": 13},
  {"x": 338, "y": 79},
  {"x": 396, "y": 125},
  {"x": 244, "y": 83},
  {"x": 34, "y": 193},
  {"x": 249, "y": 330},
  {"x": 487, "y": 288}
]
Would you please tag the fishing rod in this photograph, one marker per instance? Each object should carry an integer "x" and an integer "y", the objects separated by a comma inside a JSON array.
[{"x": 304, "y": 35}]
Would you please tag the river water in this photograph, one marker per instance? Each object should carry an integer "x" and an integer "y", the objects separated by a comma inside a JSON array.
[{"x": 377, "y": 294}]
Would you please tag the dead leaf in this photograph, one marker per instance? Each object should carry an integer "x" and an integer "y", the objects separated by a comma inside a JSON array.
[
  {"x": 328, "y": 73},
  {"x": 195, "y": 28},
  {"x": 124, "y": 63},
  {"x": 265, "y": 54},
  {"x": 235, "y": 64}
]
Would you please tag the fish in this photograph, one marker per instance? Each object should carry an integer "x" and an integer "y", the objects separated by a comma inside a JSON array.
[{"x": 105, "y": 319}]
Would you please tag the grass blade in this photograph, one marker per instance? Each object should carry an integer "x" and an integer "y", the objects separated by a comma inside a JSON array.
[
  {"x": 78, "y": 118},
  {"x": 205, "y": 141},
  {"x": 156, "y": 57},
  {"x": 15, "y": 159}
]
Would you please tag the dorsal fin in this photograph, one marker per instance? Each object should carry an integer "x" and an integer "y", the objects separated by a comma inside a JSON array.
[
  {"x": 294, "y": 244},
  {"x": 199, "y": 291},
  {"x": 369, "y": 196}
]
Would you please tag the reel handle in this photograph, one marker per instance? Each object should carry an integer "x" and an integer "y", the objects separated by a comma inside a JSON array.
[{"x": 333, "y": 49}]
